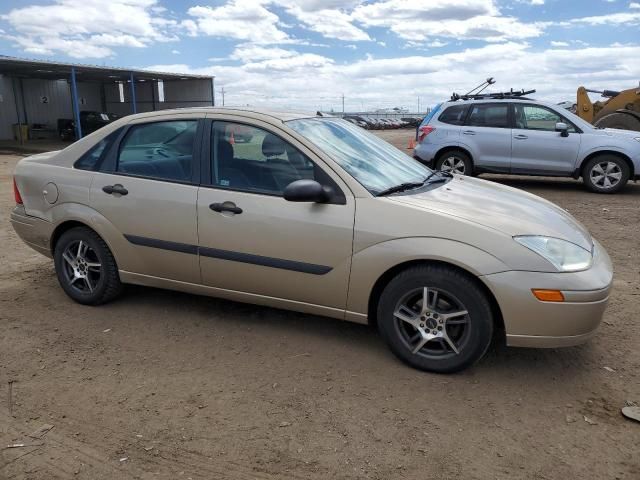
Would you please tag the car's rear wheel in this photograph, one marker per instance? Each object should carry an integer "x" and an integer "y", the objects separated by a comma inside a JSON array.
[
  {"x": 85, "y": 267},
  {"x": 435, "y": 318},
  {"x": 606, "y": 174},
  {"x": 455, "y": 161}
]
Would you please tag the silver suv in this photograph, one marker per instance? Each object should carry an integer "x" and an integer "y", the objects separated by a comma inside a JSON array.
[{"x": 525, "y": 137}]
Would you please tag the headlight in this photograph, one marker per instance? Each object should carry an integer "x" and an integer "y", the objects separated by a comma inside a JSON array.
[
  {"x": 637, "y": 139},
  {"x": 564, "y": 255}
]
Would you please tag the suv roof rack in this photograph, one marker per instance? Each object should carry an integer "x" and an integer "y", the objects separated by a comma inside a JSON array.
[{"x": 517, "y": 95}]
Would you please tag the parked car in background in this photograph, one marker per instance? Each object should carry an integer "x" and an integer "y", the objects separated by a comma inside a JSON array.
[
  {"x": 89, "y": 122},
  {"x": 316, "y": 215},
  {"x": 521, "y": 136}
]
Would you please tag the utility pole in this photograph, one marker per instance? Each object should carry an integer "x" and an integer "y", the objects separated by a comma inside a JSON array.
[
  {"x": 222, "y": 91},
  {"x": 343, "y": 104}
]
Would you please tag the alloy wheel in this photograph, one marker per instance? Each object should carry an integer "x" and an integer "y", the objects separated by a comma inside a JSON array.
[
  {"x": 453, "y": 165},
  {"x": 432, "y": 323},
  {"x": 81, "y": 267},
  {"x": 605, "y": 175}
]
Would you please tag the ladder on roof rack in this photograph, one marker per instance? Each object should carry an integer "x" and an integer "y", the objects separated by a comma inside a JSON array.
[{"x": 497, "y": 95}]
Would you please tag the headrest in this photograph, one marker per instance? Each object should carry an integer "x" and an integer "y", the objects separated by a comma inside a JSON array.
[
  {"x": 225, "y": 150},
  {"x": 272, "y": 146}
]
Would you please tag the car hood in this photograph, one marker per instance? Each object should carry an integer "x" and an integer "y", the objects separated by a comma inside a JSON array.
[
  {"x": 617, "y": 132},
  {"x": 502, "y": 208}
]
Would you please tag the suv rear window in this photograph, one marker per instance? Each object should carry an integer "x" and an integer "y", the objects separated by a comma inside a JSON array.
[
  {"x": 489, "y": 115},
  {"x": 453, "y": 115}
]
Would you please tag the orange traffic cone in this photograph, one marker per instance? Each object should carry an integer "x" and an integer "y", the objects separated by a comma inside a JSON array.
[
  {"x": 232, "y": 140},
  {"x": 412, "y": 144}
]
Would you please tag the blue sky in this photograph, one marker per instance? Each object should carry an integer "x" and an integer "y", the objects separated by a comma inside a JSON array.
[{"x": 307, "y": 53}]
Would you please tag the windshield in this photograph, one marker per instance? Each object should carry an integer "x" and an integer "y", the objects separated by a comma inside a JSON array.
[{"x": 373, "y": 162}]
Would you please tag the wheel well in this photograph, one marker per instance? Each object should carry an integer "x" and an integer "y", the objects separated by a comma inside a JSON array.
[
  {"x": 64, "y": 227},
  {"x": 444, "y": 150},
  {"x": 626, "y": 159},
  {"x": 387, "y": 276}
]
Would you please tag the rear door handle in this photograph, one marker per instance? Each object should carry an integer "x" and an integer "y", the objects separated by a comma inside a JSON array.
[
  {"x": 520, "y": 137},
  {"x": 468, "y": 132},
  {"x": 225, "y": 207},
  {"x": 117, "y": 188}
]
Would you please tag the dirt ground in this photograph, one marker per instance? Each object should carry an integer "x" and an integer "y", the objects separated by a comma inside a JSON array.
[{"x": 164, "y": 385}]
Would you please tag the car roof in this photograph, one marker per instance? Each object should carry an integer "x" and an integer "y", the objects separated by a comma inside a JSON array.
[
  {"x": 282, "y": 115},
  {"x": 515, "y": 100}
]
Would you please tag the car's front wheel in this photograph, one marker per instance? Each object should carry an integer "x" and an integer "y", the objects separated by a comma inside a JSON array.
[
  {"x": 85, "y": 267},
  {"x": 435, "y": 318},
  {"x": 606, "y": 174},
  {"x": 455, "y": 161}
]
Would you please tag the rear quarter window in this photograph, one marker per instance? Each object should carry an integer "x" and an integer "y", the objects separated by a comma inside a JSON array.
[
  {"x": 453, "y": 115},
  {"x": 93, "y": 157}
]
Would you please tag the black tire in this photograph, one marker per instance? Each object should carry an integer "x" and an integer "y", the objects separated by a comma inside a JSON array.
[
  {"x": 100, "y": 284},
  {"x": 596, "y": 183},
  {"x": 621, "y": 120},
  {"x": 458, "y": 158},
  {"x": 471, "y": 335}
]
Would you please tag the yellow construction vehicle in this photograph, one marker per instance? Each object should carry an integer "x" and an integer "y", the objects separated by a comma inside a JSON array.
[{"x": 619, "y": 110}]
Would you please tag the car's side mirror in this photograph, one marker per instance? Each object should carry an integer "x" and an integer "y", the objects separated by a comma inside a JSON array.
[
  {"x": 306, "y": 191},
  {"x": 563, "y": 129}
]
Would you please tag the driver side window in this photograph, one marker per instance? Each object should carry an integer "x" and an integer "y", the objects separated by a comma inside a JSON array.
[{"x": 248, "y": 158}]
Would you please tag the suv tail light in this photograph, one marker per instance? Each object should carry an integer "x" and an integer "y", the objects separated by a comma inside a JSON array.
[
  {"x": 16, "y": 193},
  {"x": 424, "y": 131}
]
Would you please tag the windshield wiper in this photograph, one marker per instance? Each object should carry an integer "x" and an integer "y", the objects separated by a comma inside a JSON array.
[
  {"x": 411, "y": 185},
  {"x": 399, "y": 188}
]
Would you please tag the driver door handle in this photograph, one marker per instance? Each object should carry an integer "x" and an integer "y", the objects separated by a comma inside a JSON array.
[
  {"x": 225, "y": 207},
  {"x": 117, "y": 188},
  {"x": 520, "y": 137},
  {"x": 468, "y": 132}
]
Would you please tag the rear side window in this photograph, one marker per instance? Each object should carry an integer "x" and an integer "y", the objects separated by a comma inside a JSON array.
[
  {"x": 91, "y": 159},
  {"x": 162, "y": 150},
  {"x": 491, "y": 115},
  {"x": 453, "y": 115}
]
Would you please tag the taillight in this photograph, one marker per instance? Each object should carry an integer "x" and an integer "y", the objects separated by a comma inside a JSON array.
[
  {"x": 424, "y": 131},
  {"x": 16, "y": 193}
]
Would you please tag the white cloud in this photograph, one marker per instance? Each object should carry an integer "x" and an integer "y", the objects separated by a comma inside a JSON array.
[
  {"x": 460, "y": 19},
  {"x": 621, "y": 18},
  {"x": 88, "y": 28},
  {"x": 239, "y": 19},
  {"x": 314, "y": 81},
  {"x": 249, "y": 53},
  {"x": 559, "y": 44},
  {"x": 634, "y": 5},
  {"x": 328, "y": 18},
  {"x": 537, "y": 2}
]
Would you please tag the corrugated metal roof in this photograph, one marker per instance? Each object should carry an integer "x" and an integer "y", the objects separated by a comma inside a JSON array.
[{"x": 54, "y": 70}]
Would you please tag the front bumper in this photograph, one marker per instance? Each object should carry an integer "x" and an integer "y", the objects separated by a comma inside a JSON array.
[
  {"x": 530, "y": 322},
  {"x": 33, "y": 231}
]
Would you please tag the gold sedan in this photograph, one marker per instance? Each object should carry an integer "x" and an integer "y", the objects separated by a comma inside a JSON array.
[{"x": 313, "y": 214}]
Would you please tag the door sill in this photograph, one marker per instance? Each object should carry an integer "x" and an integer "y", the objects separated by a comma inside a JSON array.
[{"x": 253, "y": 298}]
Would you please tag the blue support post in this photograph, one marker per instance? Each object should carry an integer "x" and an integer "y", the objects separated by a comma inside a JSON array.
[
  {"x": 134, "y": 107},
  {"x": 76, "y": 103}
]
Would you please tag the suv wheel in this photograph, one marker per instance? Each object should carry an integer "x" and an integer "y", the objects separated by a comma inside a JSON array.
[
  {"x": 85, "y": 267},
  {"x": 455, "y": 162},
  {"x": 435, "y": 318},
  {"x": 605, "y": 174}
]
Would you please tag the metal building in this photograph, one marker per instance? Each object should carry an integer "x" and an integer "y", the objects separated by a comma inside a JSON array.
[{"x": 37, "y": 95}]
